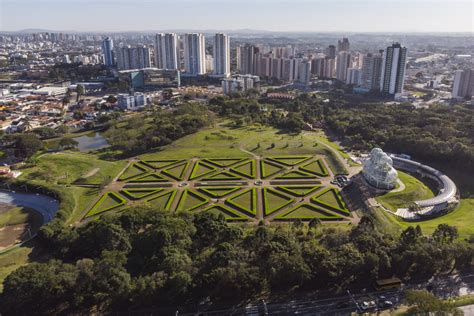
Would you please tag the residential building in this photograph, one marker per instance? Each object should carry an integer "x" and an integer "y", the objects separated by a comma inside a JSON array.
[
  {"x": 353, "y": 76},
  {"x": 343, "y": 62},
  {"x": 133, "y": 57},
  {"x": 240, "y": 83},
  {"x": 166, "y": 51},
  {"x": 304, "y": 72},
  {"x": 194, "y": 54},
  {"x": 393, "y": 70},
  {"x": 221, "y": 55},
  {"x": 246, "y": 56},
  {"x": 131, "y": 101},
  {"x": 371, "y": 71}
]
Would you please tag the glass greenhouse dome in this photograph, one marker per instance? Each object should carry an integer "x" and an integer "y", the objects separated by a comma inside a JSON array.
[{"x": 378, "y": 170}]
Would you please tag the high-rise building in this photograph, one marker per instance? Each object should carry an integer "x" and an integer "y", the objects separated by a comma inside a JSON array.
[
  {"x": 166, "y": 51},
  {"x": 343, "y": 62},
  {"x": 133, "y": 57},
  {"x": 317, "y": 66},
  {"x": 463, "y": 86},
  {"x": 353, "y": 76},
  {"x": 107, "y": 50},
  {"x": 331, "y": 51},
  {"x": 329, "y": 67},
  {"x": 247, "y": 59},
  {"x": 209, "y": 64},
  {"x": 221, "y": 55},
  {"x": 343, "y": 45},
  {"x": 393, "y": 70},
  {"x": 290, "y": 69},
  {"x": 371, "y": 71},
  {"x": 194, "y": 54},
  {"x": 304, "y": 72}
]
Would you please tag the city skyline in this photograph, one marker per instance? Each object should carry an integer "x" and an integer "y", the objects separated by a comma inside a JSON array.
[{"x": 277, "y": 16}]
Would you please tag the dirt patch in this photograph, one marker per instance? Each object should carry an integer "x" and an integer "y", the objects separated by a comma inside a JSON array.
[{"x": 12, "y": 234}]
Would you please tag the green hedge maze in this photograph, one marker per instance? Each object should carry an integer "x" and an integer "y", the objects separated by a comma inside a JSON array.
[{"x": 240, "y": 190}]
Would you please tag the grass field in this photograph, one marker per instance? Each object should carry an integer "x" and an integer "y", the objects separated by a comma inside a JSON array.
[
  {"x": 68, "y": 167},
  {"x": 462, "y": 218},
  {"x": 12, "y": 260},
  {"x": 14, "y": 216},
  {"x": 414, "y": 190}
]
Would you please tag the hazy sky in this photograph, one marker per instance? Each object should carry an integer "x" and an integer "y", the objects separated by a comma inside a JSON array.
[{"x": 274, "y": 15}]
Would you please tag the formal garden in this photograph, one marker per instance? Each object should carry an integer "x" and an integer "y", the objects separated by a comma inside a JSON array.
[{"x": 276, "y": 188}]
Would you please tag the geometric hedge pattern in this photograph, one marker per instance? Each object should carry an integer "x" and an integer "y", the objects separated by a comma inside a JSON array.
[{"x": 291, "y": 188}]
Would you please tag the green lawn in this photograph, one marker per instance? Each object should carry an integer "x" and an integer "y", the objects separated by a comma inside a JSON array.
[
  {"x": 67, "y": 167},
  {"x": 222, "y": 141},
  {"x": 14, "y": 216},
  {"x": 414, "y": 190},
  {"x": 462, "y": 218},
  {"x": 191, "y": 200}
]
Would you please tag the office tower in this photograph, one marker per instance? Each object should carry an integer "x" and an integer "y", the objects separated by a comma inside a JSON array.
[
  {"x": 393, "y": 70},
  {"x": 353, "y": 76},
  {"x": 133, "y": 57},
  {"x": 304, "y": 72},
  {"x": 194, "y": 54},
  {"x": 463, "y": 86},
  {"x": 371, "y": 71},
  {"x": 166, "y": 51},
  {"x": 247, "y": 59},
  {"x": 343, "y": 45},
  {"x": 343, "y": 62},
  {"x": 221, "y": 55},
  {"x": 331, "y": 51},
  {"x": 107, "y": 50}
]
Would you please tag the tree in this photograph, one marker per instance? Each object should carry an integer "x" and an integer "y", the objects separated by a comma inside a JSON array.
[
  {"x": 80, "y": 90},
  {"x": 26, "y": 145},
  {"x": 67, "y": 143},
  {"x": 445, "y": 233},
  {"x": 423, "y": 302}
]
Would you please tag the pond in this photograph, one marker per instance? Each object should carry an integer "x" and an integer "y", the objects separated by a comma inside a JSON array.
[
  {"x": 90, "y": 142},
  {"x": 45, "y": 205}
]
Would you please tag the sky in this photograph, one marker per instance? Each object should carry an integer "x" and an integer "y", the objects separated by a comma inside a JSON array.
[{"x": 271, "y": 15}]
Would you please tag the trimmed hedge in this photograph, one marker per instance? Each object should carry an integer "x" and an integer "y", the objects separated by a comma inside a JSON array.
[
  {"x": 168, "y": 202},
  {"x": 341, "y": 208},
  {"x": 229, "y": 214},
  {"x": 196, "y": 195},
  {"x": 223, "y": 176},
  {"x": 224, "y": 162},
  {"x": 180, "y": 176},
  {"x": 253, "y": 169},
  {"x": 143, "y": 179},
  {"x": 95, "y": 209},
  {"x": 323, "y": 173},
  {"x": 197, "y": 165},
  {"x": 264, "y": 172},
  {"x": 296, "y": 174},
  {"x": 133, "y": 165},
  {"x": 284, "y": 160},
  {"x": 290, "y": 189},
  {"x": 166, "y": 163},
  {"x": 228, "y": 190},
  {"x": 253, "y": 197},
  {"x": 323, "y": 215},
  {"x": 266, "y": 203},
  {"x": 130, "y": 193}
]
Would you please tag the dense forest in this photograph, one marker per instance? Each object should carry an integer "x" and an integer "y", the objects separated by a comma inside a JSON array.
[{"x": 147, "y": 258}]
